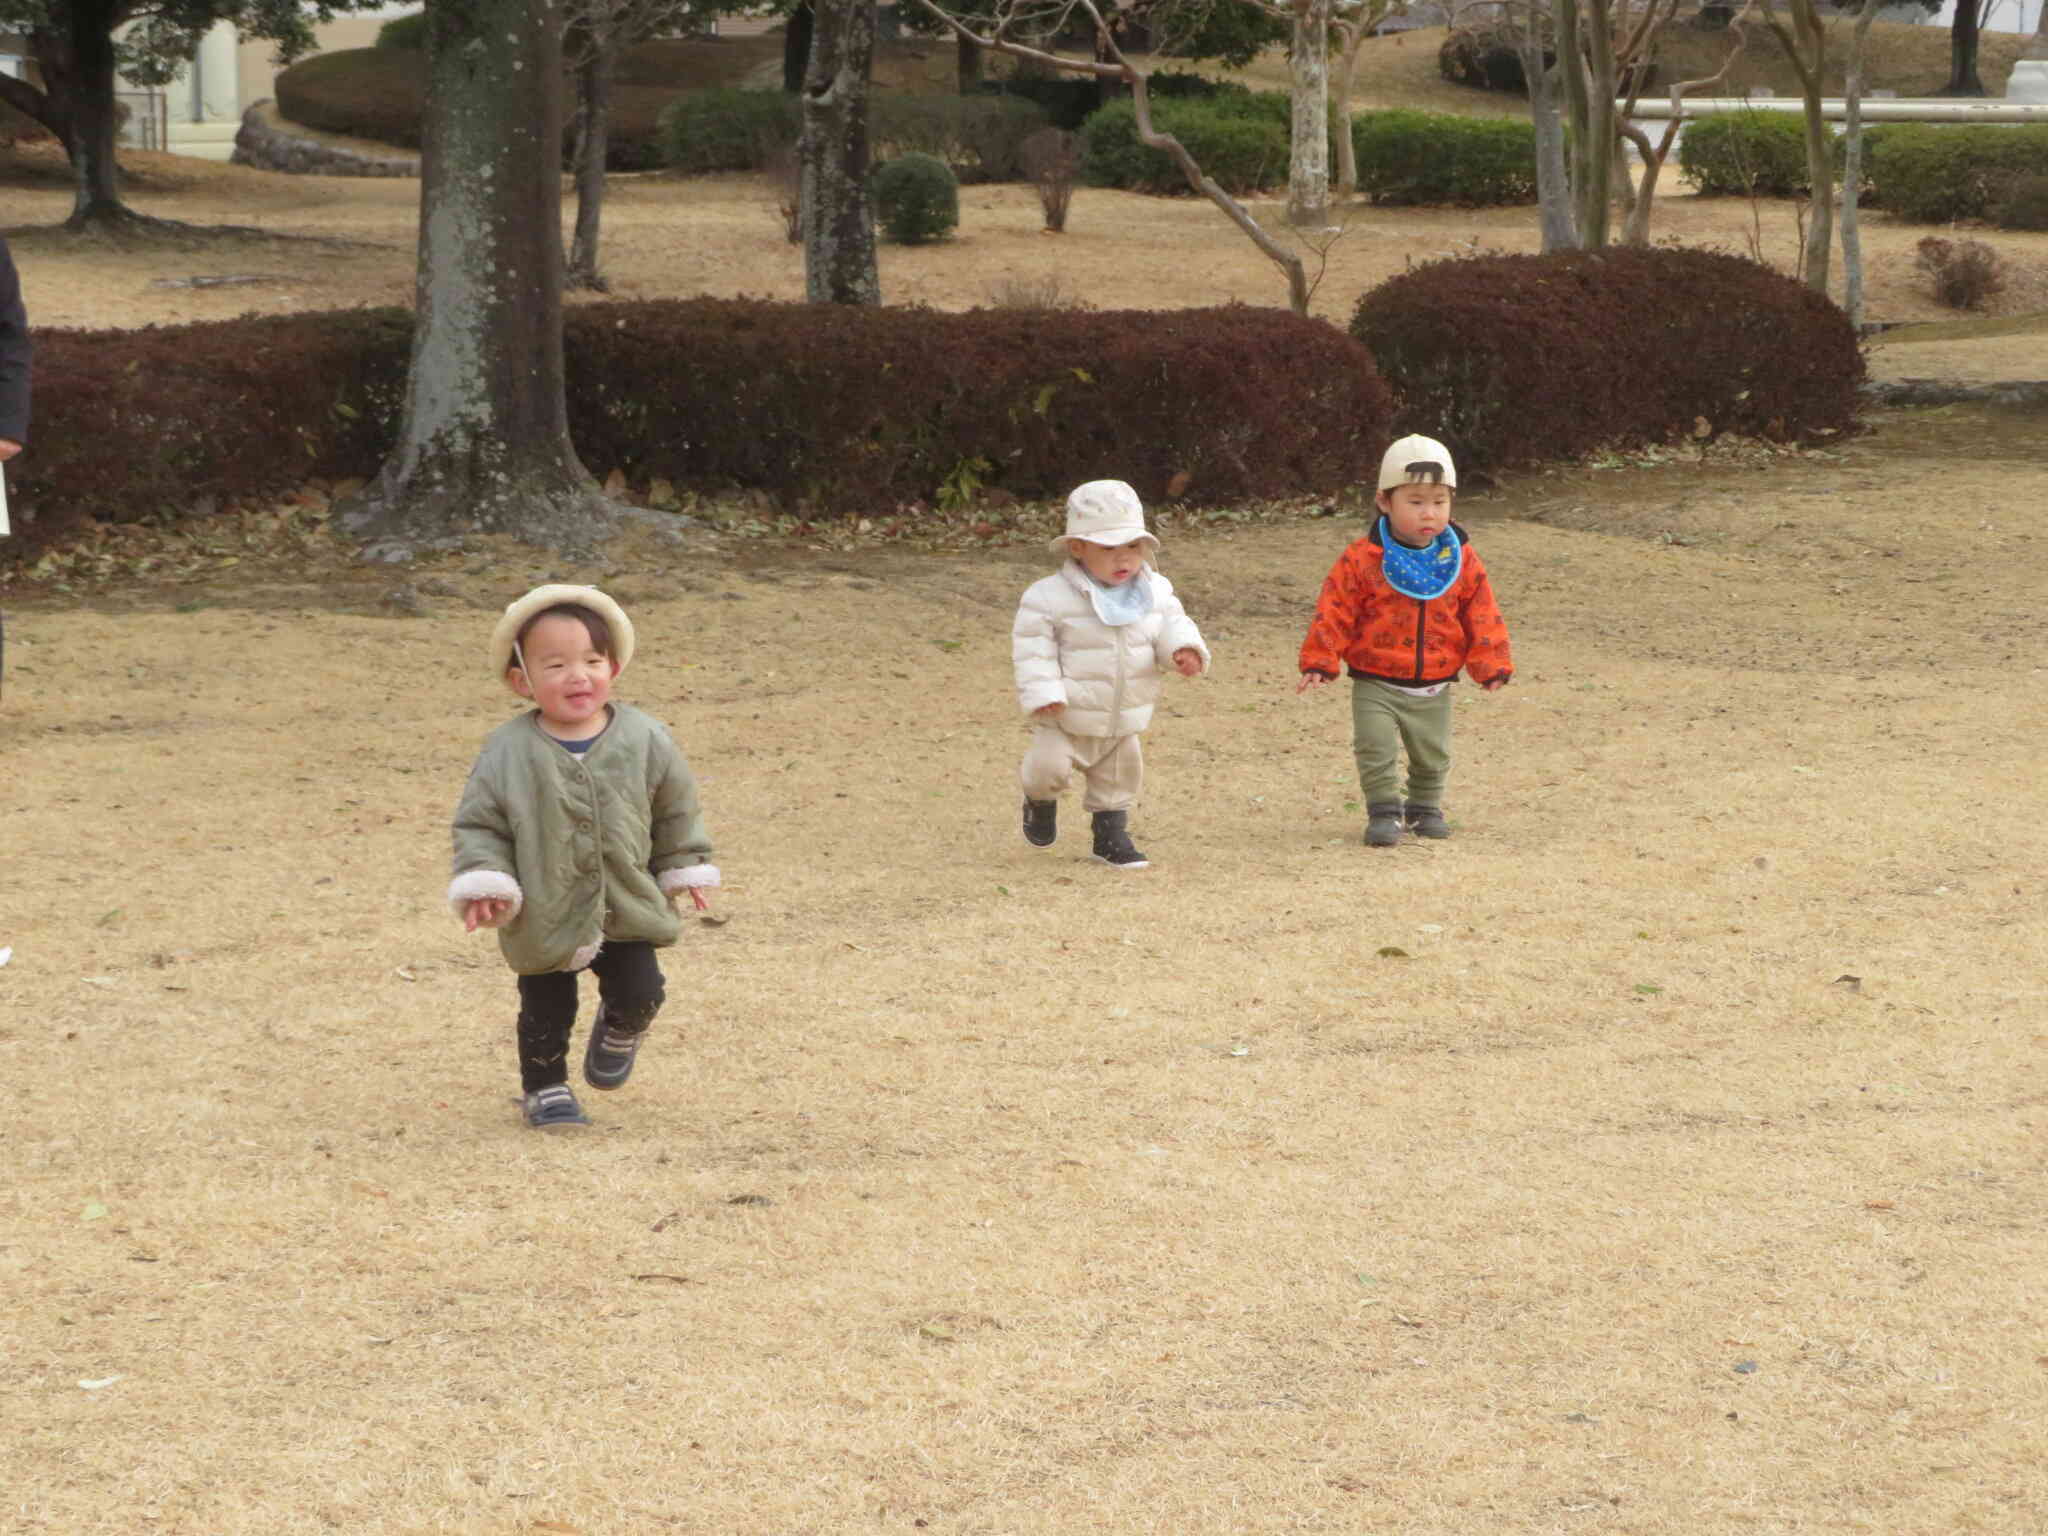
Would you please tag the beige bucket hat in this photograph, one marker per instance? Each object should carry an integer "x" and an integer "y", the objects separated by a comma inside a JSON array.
[
  {"x": 1417, "y": 460},
  {"x": 539, "y": 600},
  {"x": 1105, "y": 512}
]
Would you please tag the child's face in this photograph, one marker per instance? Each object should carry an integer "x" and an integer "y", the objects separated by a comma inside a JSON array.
[
  {"x": 1110, "y": 566},
  {"x": 1417, "y": 513},
  {"x": 566, "y": 675}
]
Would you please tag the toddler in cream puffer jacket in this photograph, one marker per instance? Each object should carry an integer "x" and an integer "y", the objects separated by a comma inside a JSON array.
[{"x": 1091, "y": 644}]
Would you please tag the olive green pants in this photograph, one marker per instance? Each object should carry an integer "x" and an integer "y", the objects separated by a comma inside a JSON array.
[{"x": 1383, "y": 721}]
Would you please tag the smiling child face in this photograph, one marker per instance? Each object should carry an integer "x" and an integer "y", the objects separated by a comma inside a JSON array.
[{"x": 566, "y": 675}]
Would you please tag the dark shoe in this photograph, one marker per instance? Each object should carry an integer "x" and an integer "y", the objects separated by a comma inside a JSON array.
[
  {"x": 608, "y": 1058},
  {"x": 1383, "y": 824},
  {"x": 552, "y": 1106},
  {"x": 1426, "y": 820},
  {"x": 1113, "y": 842},
  {"x": 1041, "y": 822}
]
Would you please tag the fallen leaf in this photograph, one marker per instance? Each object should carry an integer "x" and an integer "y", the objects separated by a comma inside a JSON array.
[
  {"x": 1879, "y": 1205},
  {"x": 1392, "y": 952},
  {"x": 672, "y": 1279},
  {"x": 404, "y": 973}
]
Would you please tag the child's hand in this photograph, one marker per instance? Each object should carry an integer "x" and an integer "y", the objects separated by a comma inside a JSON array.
[
  {"x": 1049, "y": 711},
  {"x": 485, "y": 912},
  {"x": 1494, "y": 685},
  {"x": 1187, "y": 661},
  {"x": 1310, "y": 680}
]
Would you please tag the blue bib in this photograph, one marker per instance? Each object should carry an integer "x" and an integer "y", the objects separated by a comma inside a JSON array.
[{"x": 1421, "y": 573}]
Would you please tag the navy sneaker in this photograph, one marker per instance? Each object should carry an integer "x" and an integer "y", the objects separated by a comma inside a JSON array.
[
  {"x": 1425, "y": 820},
  {"x": 1383, "y": 824},
  {"x": 553, "y": 1105},
  {"x": 608, "y": 1058},
  {"x": 1113, "y": 842},
  {"x": 1041, "y": 822}
]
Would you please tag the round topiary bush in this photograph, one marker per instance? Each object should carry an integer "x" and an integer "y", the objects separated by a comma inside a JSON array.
[
  {"x": 917, "y": 199},
  {"x": 404, "y": 32}
]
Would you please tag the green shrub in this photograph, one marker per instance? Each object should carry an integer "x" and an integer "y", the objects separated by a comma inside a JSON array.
[
  {"x": 1521, "y": 359},
  {"x": 980, "y": 137},
  {"x": 404, "y": 32},
  {"x": 1067, "y": 100},
  {"x": 2024, "y": 203},
  {"x": 1935, "y": 173},
  {"x": 727, "y": 129},
  {"x": 917, "y": 199},
  {"x": 1410, "y": 157},
  {"x": 1238, "y": 142},
  {"x": 1746, "y": 154}
]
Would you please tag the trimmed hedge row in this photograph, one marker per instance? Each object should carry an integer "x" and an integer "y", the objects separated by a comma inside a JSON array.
[
  {"x": 1407, "y": 157},
  {"x": 727, "y": 128},
  {"x": 1238, "y": 138},
  {"x": 1521, "y": 359},
  {"x": 843, "y": 409},
  {"x": 1747, "y": 154},
  {"x": 1241, "y": 138},
  {"x": 1935, "y": 173}
]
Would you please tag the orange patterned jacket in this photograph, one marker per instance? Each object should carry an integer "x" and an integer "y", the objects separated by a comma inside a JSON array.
[{"x": 1364, "y": 625}]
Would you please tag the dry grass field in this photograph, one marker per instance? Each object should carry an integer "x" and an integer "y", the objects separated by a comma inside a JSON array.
[{"x": 1662, "y": 1154}]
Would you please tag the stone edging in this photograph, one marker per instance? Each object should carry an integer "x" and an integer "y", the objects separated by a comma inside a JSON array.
[{"x": 269, "y": 143}]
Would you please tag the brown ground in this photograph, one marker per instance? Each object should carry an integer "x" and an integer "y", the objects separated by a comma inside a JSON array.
[{"x": 1662, "y": 1154}]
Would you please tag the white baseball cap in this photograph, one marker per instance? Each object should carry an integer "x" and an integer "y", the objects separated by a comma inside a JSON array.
[
  {"x": 1417, "y": 460},
  {"x": 1105, "y": 512}
]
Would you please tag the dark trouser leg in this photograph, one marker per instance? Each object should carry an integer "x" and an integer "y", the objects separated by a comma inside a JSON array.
[
  {"x": 629, "y": 985},
  {"x": 547, "y": 1011}
]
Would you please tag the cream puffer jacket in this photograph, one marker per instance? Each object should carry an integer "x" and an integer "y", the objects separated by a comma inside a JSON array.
[{"x": 1107, "y": 676}]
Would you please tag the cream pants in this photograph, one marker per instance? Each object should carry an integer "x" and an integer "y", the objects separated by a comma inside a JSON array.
[{"x": 1112, "y": 765}]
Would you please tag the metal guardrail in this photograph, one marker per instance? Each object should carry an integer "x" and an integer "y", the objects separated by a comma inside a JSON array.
[{"x": 1834, "y": 109}]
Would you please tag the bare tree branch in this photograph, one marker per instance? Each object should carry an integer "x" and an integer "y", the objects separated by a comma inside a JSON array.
[{"x": 1119, "y": 67}]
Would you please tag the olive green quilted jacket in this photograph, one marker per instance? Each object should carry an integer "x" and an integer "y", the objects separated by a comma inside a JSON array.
[{"x": 586, "y": 848}]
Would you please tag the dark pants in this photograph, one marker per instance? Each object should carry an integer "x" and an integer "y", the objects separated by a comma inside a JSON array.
[{"x": 629, "y": 994}]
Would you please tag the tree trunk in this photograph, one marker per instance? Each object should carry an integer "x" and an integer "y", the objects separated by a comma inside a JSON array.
[
  {"x": 838, "y": 220},
  {"x": 484, "y": 443},
  {"x": 593, "y": 145},
  {"x": 1962, "y": 51},
  {"x": 1553, "y": 176},
  {"x": 967, "y": 65},
  {"x": 1308, "y": 158},
  {"x": 96, "y": 194},
  {"x": 1585, "y": 55},
  {"x": 1852, "y": 166},
  {"x": 1352, "y": 36},
  {"x": 796, "y": 46}
]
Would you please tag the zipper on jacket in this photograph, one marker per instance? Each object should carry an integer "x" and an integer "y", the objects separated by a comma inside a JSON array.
[{"x": 1421, "y": 628}]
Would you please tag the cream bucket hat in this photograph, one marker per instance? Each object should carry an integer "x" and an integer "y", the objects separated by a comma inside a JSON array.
[
  {"x": 1105, "y": 512},
  {"x": 555, "y": 594}
]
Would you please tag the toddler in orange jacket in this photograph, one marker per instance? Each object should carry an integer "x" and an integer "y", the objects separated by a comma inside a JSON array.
[{"x": 1403, "y": 610}]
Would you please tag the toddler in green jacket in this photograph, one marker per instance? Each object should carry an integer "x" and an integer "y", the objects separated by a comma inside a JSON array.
[{"x": 578, "y": 828}]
